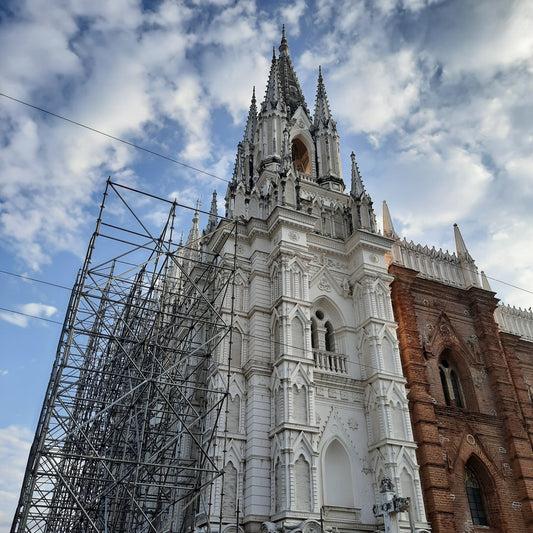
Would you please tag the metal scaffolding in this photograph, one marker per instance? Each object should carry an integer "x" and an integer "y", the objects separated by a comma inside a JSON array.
[{"x": 127, "y": 436}]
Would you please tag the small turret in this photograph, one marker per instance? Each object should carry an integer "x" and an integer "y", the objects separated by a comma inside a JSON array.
[{"x": 327, "y": 141}]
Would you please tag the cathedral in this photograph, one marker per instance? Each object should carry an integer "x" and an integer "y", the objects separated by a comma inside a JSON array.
[
  {"x": 377, "y": 383},
  {"x": 291, "y": 369}
]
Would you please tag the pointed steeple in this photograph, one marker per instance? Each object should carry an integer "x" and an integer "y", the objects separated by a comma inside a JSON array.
[
  {"x": 213, "y": 214},
  {"x": 358, "y": 188},
  {"x": 322, "y": 111},
  {"x": 251, "y": 122},
  {"x": 290, "y": 86},
  {"x": 388, "y": 227},
  {"x": 462, "y": 251}
]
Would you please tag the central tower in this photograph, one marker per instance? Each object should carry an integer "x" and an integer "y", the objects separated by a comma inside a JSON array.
[{"x": 318, "y": 415}]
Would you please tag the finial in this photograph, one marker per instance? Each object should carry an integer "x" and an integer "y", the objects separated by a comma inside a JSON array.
[
  {"x": 284, "y": 47},
  {"x": 253, "y": 95},
  {"x": 273, "y": 53},
  {"x": 320, "y": 72}
]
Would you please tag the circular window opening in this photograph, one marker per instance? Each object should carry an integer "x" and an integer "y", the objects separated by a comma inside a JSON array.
[{"x": 319, "y": 314}]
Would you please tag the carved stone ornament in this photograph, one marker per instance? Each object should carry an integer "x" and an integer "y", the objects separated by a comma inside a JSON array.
[
  {"x": 352, "y": 424},
  {"x": 471, "y": 439},
  {"x": 293, "y": 236},
  {"x": 445, "y": 330},
  {"x": 516, "y": 506},
  {"x": 324, "y": 285}
]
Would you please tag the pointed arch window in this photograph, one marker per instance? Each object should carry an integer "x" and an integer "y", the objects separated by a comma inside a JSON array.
[
  {"x": 476, "y": 500},
  {"x": 314, "y": 335},
  {"x": 338, "y": 486},
  {"x": 451, "y": 385},
  {"x": 300, "y": 157},
  {"x": 330, "y": 339}
]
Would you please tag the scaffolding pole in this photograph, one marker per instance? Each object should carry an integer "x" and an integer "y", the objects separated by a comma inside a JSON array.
[{"x": 126, "y": 437}]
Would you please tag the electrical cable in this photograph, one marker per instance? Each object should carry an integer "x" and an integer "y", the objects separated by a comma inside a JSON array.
[{"x": 133, "y": 145}]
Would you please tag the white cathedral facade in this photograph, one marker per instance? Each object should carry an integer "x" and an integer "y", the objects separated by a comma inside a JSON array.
[{"x": 318, "y": 429}]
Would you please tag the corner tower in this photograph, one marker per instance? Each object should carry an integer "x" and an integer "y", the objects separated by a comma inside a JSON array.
[{"x": 318, "y": 421}]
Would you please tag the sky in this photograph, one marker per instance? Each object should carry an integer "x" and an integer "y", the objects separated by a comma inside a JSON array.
[{"x": 434, "y": 97}]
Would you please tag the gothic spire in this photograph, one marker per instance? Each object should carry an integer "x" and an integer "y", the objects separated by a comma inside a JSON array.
[
  {"x": 322, "y": 111},
  {"x": 251, "y": 122},
  {"x": 358, "y": 188},
  {"x": 290, "y": 86},
  {"x": 388, "y": 227}
]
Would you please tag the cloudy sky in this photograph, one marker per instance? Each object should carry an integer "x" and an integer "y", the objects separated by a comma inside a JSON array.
[{"x": 435, "y": 98}]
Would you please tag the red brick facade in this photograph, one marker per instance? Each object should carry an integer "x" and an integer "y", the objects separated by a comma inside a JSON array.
[{"x": 470, "y": 398}]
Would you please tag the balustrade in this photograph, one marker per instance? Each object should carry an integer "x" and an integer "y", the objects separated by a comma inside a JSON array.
[{"x": 330, "y": 362}]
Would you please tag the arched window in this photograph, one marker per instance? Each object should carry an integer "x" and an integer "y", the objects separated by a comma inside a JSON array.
[
  {"x": 476, "y": 500},
  {"x": 300, "y": 157},
  {"x": 338, "y": 488},
  {"x": 451, "y": 386},
  {"x": 455, "y": 388},
  {"x": 314, "y": 335},
  {"x": 330, "y": 341}
]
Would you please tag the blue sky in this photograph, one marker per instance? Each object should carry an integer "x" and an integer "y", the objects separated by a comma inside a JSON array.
[{"x": 435, "y": 98}]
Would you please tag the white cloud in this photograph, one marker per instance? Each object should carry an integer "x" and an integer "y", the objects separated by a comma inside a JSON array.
[
  {"x": 15, "y": 442},
  {"x": 33, "y": 309}
]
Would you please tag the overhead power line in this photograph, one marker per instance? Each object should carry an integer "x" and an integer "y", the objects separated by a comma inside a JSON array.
[{"x": 133, "y": 145}]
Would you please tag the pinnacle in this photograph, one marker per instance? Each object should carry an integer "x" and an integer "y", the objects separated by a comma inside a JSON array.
[
  {"x": 462, "y": 251},
  {"x": 322, "y": 111},
  {"x": 358, "y": 188},
  {"x": 388, "y": 227},
  {"x": 284, "y": 47},
  {"x": 485, "y": 282}
]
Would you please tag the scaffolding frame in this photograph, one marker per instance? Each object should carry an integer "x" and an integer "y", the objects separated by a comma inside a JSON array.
[{"x": 127, "y": 436}]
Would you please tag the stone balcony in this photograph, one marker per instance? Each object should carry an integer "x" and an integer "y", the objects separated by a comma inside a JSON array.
[{"x": 330, "y": 362}]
